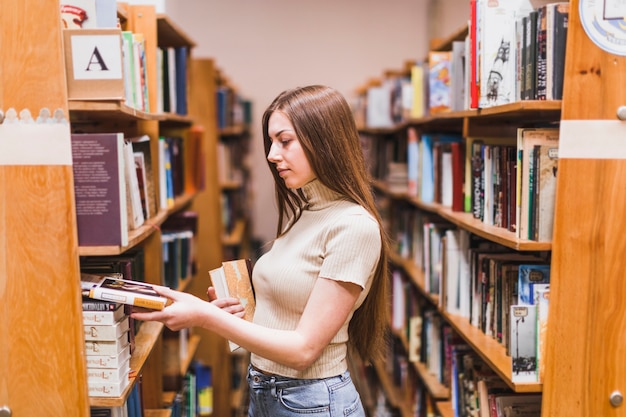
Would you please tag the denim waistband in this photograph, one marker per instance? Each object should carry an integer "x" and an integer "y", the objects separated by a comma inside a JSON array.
[{"x": 261, "y": 379}]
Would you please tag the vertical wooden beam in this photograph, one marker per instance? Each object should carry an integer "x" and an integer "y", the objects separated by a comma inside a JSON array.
[
  {"x": 43, "y": 369},
  {"x": 586, "y": 345}
]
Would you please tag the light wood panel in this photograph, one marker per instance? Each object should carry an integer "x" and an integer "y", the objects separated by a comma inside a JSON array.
[
  {"x": 41, "y": 337},
  {"x": 586, "y": 351}
]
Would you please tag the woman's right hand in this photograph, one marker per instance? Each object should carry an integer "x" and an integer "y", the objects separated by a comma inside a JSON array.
[{"x": 231, "y": 305}]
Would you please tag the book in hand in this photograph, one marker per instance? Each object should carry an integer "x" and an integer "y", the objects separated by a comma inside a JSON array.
[
  {"x": 111, "y": 287},
  {"x": 234, "y": 279}
]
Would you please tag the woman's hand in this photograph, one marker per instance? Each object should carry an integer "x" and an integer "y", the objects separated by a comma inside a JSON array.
[
  {"x": 231, "y": 305},
  {"x": 185, "y": 310}
]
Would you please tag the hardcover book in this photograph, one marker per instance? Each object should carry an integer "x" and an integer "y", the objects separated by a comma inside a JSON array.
[
  {"x": 108, "y": 388},
  {"x": 108, "y": 374},
  {"x": 439, "y": 81},
  {"x": 234, "y": 279},
  {"x": 100, "y": 189},
  {"x": 106, "y": 347},
  {"x": 531, "y": 274},
  {"x": 108, "y": 361},
  {"x": 527, "y": 139},
  {"x": 100, "y": 318},
  {"x": 113, "y": 288},
  {"x": 107, "y": 332}
]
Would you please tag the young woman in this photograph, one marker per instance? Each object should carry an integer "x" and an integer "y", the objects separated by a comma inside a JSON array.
[{"x": 321, "y": 290}]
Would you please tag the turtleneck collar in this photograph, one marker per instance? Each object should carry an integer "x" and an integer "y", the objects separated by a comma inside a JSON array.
[{"x": 319, "y": 196}]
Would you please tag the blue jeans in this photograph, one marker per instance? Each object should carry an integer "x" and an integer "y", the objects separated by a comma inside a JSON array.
[{"x": 278, "y": 396}]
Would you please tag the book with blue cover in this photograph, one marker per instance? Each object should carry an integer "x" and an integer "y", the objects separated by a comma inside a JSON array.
[{"x": 531, "y": 274}]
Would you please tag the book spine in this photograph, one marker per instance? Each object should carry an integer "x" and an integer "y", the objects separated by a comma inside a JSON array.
[
  {"x": 99, "y": 306},
  {"x": 561, "y": 14},
  {"x": 541, "y": 75}
]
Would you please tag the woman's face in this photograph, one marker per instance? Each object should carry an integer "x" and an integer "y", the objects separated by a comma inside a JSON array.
[{"x": 287, "y": 153}]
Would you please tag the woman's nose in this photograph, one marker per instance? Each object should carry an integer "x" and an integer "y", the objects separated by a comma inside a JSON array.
[{"x": 273, "y": 155}]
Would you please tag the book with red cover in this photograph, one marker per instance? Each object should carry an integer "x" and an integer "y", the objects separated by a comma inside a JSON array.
[{"x": 458, "y": 176}]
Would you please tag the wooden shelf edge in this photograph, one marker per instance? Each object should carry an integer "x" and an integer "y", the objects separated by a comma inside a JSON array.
[
  {"x": 236, "y": 130},
  {"x": 530, "y": 107},
  {"x": 467, "y": 221},
  {"x": 193, "y": 343},
  {"x": 392, "y": 393},
  {"x": 235, "y": 237},
  {"x": 445, "y": 408},
  {"x": 135, "y": 237},
  {"x": 170, "y": 34},
  {"x": 492, "y": 352},
  {"x": 97, "y": 109}
]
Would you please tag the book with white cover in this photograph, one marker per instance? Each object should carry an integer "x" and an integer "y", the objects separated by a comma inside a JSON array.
[
  {"x": 109, "y": 332},
  {"x": 107, "y": 347},
  {"x": 108, "y": 361}
]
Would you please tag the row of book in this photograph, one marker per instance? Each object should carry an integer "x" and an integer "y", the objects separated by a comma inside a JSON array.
[
  {"x": 505, "y": 294},
  {"x": 108, "y": 344},
  {"x": 113, "y": 61},
  {"x": 232, "y": 108},
  {"x": 513, "y": 51},
  {"x": 506, "y": 182},
  {"x": 516, "y": 51},
  {"x": 114, "y": 183}
]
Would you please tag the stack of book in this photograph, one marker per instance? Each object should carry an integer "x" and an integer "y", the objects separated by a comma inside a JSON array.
[{"x": 107, "y": 345}]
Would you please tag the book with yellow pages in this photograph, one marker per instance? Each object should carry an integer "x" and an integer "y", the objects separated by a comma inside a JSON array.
[
  {"x": 111, "y": 287},
  {"x": 234, "y": 279}
]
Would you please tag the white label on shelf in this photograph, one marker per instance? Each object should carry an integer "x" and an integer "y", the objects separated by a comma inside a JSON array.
[
  {"x": 592, "y": 139},
  {"x": 96, "y": 57},
  {"x": 35, "y": 144}
]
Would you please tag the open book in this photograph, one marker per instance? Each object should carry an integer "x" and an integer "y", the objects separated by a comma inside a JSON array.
[
  {"x": 234, "y": 279},
  {"x": 111, "y": 287}
]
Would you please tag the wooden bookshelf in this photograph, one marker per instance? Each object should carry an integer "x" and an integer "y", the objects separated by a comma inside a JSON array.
[
  {"x": 41, "y": 230},
  {"x": 392, "y": 393},
  {"x": 585, "y": 344},
  {"x": 498, "y": 121}
]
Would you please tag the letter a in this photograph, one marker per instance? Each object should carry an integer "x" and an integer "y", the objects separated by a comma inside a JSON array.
[{"x": 96, "y": 58}]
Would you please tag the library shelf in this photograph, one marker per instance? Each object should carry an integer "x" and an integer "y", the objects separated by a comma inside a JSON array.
[
  {"x": 489, "y": 349},
  {"x": 107, "y": 110},
  {"x": 467, "y": 221},
  {"x": 392, "y": 394},
  {"x": 138, "y": 235}
]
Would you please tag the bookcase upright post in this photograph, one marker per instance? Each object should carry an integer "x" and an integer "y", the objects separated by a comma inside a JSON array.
[
  {"x": 586, "y": 342},
  {"x": 213, "y": 350},
  {"x": 42, "y": 364}
]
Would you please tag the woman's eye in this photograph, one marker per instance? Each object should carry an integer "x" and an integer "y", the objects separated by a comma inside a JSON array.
[{"x": 285, "y": 142}]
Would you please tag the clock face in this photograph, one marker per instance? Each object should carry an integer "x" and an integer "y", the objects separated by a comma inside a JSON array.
[{"x": 604, "y": 21}]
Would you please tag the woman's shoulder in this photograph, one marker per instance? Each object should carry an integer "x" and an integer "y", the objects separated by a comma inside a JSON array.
[{"x": 349, "y": 213}]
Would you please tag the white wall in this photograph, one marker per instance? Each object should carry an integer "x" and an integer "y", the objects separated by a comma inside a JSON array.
[{"x": 267, "y": 46}]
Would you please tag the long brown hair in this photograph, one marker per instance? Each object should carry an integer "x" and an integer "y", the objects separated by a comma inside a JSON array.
[{"x": 325, "y": 127}]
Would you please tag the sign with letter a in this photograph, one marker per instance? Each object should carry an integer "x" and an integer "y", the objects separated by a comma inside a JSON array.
[
  {"x": 93, "y": 59},
  {"x": 97, "y": 57}
]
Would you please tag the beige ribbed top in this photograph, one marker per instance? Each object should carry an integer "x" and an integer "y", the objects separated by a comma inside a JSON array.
[{"x": 334, "y": 239}]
